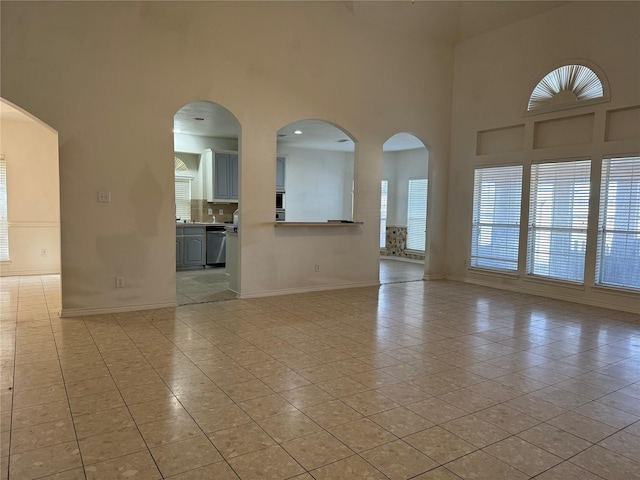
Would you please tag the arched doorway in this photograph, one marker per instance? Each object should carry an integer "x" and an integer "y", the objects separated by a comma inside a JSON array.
[
  {"x": 206, "y": 158},
  {"x": 30, "y": 213},
  {"x": 403, "y": 212}
]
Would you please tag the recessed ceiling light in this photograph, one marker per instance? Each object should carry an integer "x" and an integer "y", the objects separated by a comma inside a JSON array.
[
  {"x": 199, "y": 119},
  {"x": 298, "y": 132}
]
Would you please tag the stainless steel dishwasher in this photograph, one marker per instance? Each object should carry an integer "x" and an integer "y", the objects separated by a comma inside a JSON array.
[{"x": 216, "y": 245}]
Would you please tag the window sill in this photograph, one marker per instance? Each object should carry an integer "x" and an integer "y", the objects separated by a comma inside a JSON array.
[
  {"x": 494, "y": 273},
  {"x": 555, "y": 281},
  {"x": 623, "y": 292}
]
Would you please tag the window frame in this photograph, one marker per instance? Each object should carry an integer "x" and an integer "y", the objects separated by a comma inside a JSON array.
[
  {"x": 475, "y": 261},
  {"x": 4, "y": 212},
  {"x": 554, "y": 229},
  {"x": 384, "y": 206},
  {"x": 425, "y": 210},
  {"x": 604, "y": 213}
]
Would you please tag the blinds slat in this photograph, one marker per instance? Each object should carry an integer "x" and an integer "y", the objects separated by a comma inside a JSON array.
[
  {"x": 384, "y": 191},
  {"x": 618, "y": 258},
  {"x": 183, "y": 198},
  {"x": 417, "y": 215},
  {"x": 558, "y": 217},
  {"x": 495, "y": 233},
  {"x": 4, "y": 227}
]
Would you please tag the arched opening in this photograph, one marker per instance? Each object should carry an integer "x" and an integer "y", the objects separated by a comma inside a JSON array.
[
  {"x": 315, "y": 172},
  {"x": 30, "y": 247},
  {"x": 206, "y": 158},
  {"x": 403, "y": 212}
]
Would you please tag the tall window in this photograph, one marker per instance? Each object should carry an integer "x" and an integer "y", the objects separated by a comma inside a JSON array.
[
  {"x": 559, "y": 210},
  {"x": 4, "y": 228},
  {"x": 618, "y": 259},
  {"x": 417, "y": 215},
  {"x": 496, "y": 217},
  {"x": 384, "y": 190},
  {"x": 183, "y": 190}
]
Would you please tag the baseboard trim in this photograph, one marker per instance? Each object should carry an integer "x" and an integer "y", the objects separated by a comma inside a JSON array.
[
  {"x": 78, "y": 312},
  {"x": 29, "y": 273},
  {"x": 556, "y": 296},
  {"x": 319, "y": 288}
]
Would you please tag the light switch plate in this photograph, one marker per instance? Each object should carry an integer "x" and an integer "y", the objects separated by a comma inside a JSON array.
[{"x": 104, "y": 197}]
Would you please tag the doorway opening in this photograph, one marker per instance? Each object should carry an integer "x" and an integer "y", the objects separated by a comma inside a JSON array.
[
  {"x": 29, "y": 194},
  {"x": 206, "y": 158},
  {"x": 403, "y": 209}
]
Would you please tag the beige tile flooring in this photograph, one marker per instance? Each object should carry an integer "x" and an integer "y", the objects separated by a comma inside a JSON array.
[
  {"x": 423, "y": 380},
  {"x": 212, "y": 284}
]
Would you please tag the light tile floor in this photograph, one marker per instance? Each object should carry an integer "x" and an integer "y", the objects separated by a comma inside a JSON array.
[
  {"x": 422, "y": 380},
  {"x": 202, "y": 285}
]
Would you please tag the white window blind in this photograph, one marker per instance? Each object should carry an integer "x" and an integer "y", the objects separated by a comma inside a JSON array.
[
  {"x": 417, "y": 215},
  {"x": 183, "y": 198},
  {"x": 618, "y": 258},
  {"x": 4, "y": 227},
  {"x": 495, "y": 229},
  {"x": 384, "y": 190},
  {"x": 559, "y": 211}
]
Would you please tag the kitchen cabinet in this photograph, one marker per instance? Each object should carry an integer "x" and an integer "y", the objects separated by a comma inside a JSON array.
[
  {"x": 220, "y": 175},
  {"x": 191, "y": 247},
  {"x": 225, "y": 176},
  {"x": 280, "y": 169}
]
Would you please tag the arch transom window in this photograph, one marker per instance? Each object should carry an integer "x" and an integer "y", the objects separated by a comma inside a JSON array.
[{"x": 565, "y": 87}]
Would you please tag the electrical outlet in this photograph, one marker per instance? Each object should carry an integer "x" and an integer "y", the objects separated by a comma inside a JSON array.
[
  {"x": 44, "y": 252},
  {"x": 104, "y": 197},
  {"x": 119, "y": 282},
  {"x": 221, "y": 212},
  {"x": 210, "y": 211},
  {"x": 317, "y": 267}
]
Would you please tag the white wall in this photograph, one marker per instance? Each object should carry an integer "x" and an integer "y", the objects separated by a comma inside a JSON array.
[
  {"x": 109, "y": 76},
  {"x": 399, "y": 167},
  {"x": 317, "y": 185},
  {"x": 33, "y": 196},
  {"x": 494, "y": 76}
]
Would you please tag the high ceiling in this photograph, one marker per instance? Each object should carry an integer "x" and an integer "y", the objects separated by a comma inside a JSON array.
[{"x": 445, "y": 21}]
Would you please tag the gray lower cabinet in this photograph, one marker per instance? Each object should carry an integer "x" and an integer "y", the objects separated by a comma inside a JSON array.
[{"x": 191, "y": 247}]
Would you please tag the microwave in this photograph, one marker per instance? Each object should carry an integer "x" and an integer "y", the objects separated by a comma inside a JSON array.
[{"x": 279, "y": 200}]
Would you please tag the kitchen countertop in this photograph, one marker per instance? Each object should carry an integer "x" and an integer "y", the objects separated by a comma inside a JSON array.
[{"x": 203, "y": 224}]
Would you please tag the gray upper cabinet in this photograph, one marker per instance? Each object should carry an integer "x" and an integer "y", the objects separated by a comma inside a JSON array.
[
  {"x": 225, "y": 176},
  {"x": 280, "y": 169}
]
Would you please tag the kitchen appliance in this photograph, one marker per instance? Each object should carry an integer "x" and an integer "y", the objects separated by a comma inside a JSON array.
[
  {"x": 216, "y": 246},
  {"x": 280, "y": 212}
]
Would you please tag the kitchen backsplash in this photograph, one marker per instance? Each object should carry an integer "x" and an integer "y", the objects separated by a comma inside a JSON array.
[{"x": 200, "y": 209}]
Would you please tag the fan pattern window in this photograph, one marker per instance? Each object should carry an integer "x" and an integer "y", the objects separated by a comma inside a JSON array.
[
  {"x": 496, "y": 218},
  {"x": 618, "y": 260},
  {"x": 567, "y": 84},
  {"x": 559, "y": 211},
  {"x": 417, "y": 215}
]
